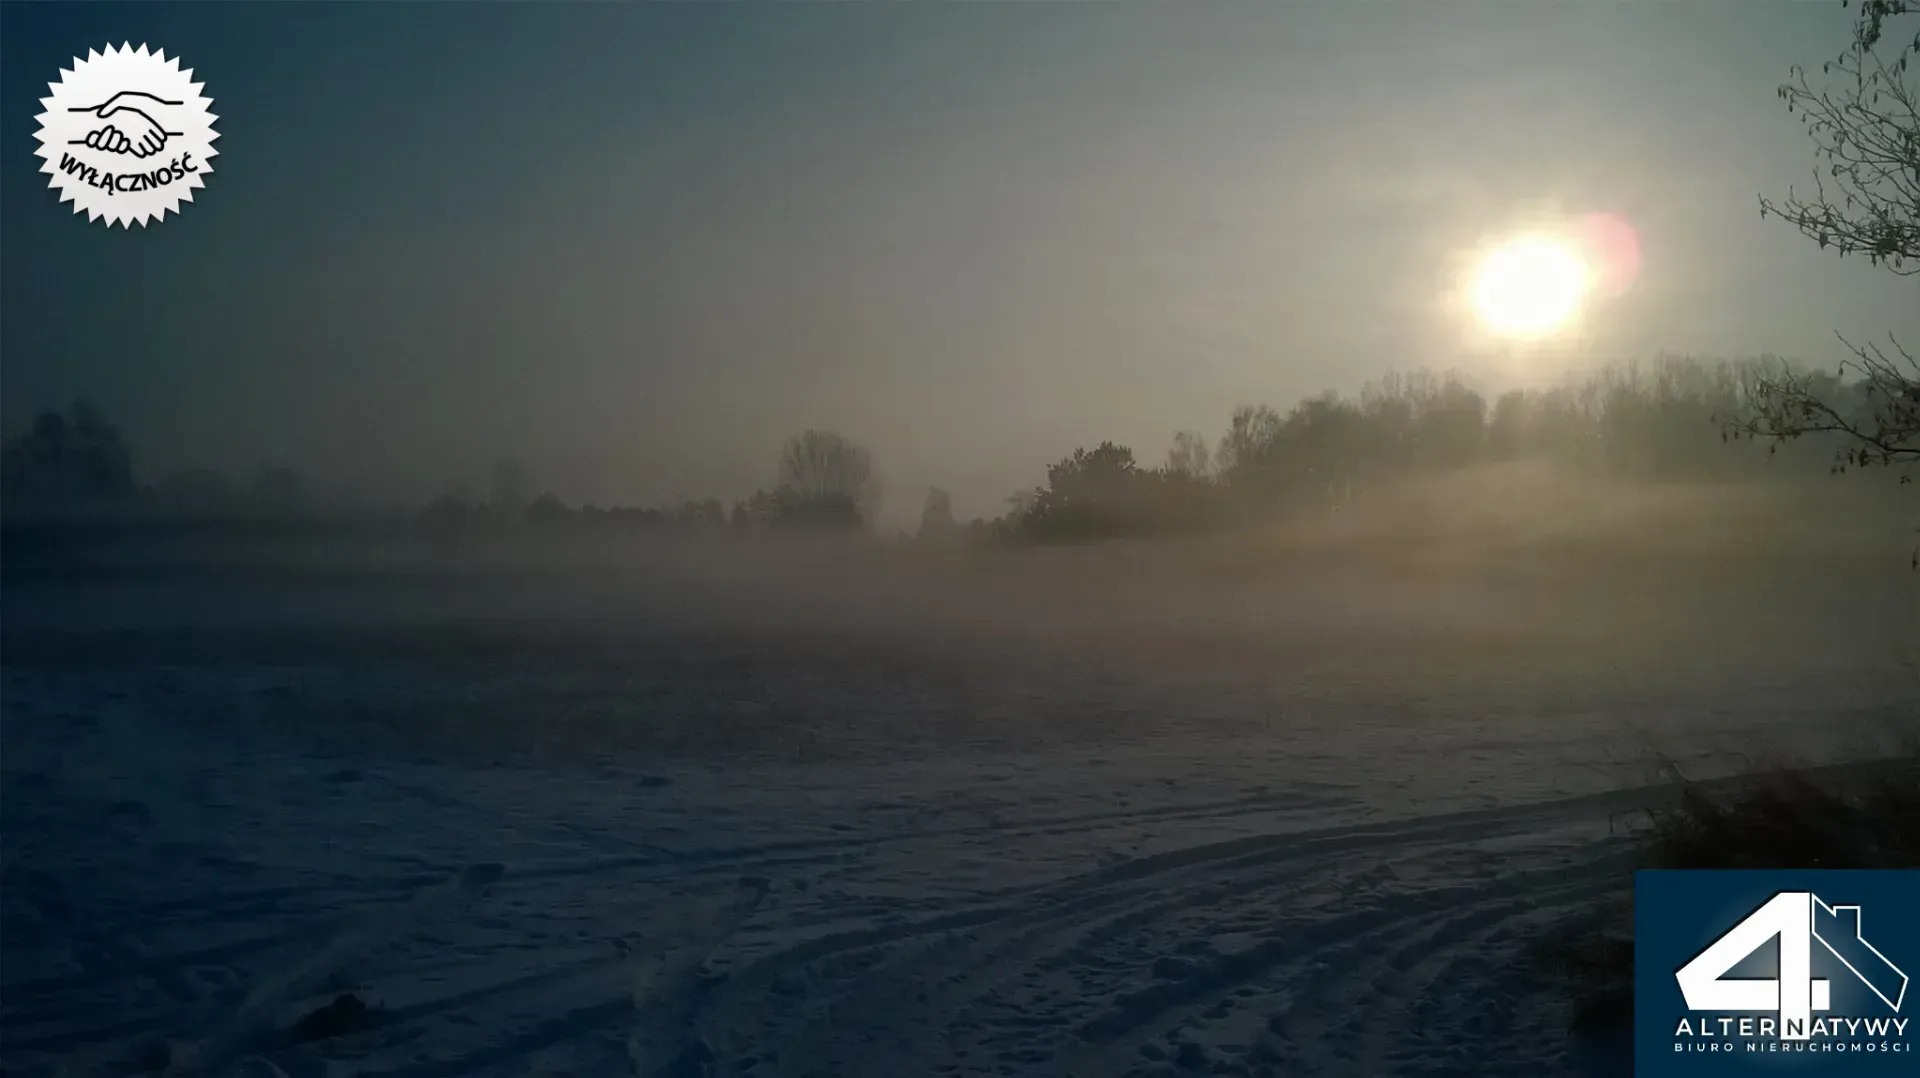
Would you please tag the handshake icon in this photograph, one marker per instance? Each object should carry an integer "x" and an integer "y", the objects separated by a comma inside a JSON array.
[{"x": 129, "y": 127}]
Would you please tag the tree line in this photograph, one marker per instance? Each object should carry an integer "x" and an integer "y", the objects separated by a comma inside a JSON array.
[
  {"x": 1671, "y": 419},
  {"x": 77, "y": 465}
]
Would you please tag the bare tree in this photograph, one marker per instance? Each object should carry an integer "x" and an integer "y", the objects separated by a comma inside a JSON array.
[
  {"x": 77, "y": 457},
  {"x": 1876, "y": 414},
  {"x": 826, "y": 478},
  {"x": 1190, "y": 456},
  {"x": 1865, "y": 124}
]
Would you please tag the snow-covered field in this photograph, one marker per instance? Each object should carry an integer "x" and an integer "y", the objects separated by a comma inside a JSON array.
[{"x": 1004, "y": 817}]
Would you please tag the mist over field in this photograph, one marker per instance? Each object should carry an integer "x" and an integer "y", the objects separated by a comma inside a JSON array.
[
  {"x": 975, "y": 766},
  {"x": 1518, "y": 602}
]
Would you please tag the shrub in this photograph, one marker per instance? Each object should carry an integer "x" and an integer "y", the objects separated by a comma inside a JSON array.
[{"x": 1857, "y": 817}]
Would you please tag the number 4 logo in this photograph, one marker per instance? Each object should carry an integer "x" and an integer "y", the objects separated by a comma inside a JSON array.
[{"x": 1799, "y": 919}]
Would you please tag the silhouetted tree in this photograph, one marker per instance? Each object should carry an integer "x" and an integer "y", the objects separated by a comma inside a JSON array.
[
  {"x": 1507, "y": 432},
  {"x": 1314, "y": 453},
  {"x": 1249, "y": 450},
  {"x": 703, "y": 515},
  {"x": 1657, "y": 419},
  {"x": 756, "y": 515},
  {"x": 100, "y": 456},
  {"x": 1452, "y": 425},
  {"x": 547, "y": 510},
  {"x": 1865, "y": 125},
  {"x": 1322, "y": 444},
  {"x": 936, "y": 517},
  {"x": 1871, "y": 402},
  {"x": 826, "y": 483},
  {"x": 509, "y": 491},
  {"x": 1089, "y": 494},
  {"x": 78, "y": 457},
  {"x": 1190, "y": 456},
  {"x": 820, "y": 513},
  {"x": 36, "y": 463}
]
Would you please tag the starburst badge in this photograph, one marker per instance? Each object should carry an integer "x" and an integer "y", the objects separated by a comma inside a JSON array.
[{"x": 126, "y": 136}]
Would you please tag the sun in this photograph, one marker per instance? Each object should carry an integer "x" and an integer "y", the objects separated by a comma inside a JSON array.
[{"x": 1530, "y": 286}]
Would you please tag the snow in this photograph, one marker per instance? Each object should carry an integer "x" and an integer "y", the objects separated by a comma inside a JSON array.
[{"x": 572, "y": 836}]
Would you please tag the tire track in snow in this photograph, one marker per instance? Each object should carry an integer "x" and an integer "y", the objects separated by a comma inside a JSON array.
[
  {"x": 1392, "y": 1015},
  {"x": 1308, "y": 967},
  {"x": 221, "y": 905},
  {"x": 1050, "y": 930},
  {"x": 1358, "y": 995},
  {"x": 942, "y": 980},
  {"x": 954, "y": 974},
  {"x": 734, "y": 1017}
]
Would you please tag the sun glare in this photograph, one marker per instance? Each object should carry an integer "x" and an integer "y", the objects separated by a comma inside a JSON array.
[{"x": 1530, "y": 287}]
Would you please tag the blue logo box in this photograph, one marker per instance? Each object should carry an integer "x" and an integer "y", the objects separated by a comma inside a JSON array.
[{"x": 1805, "y": 973}]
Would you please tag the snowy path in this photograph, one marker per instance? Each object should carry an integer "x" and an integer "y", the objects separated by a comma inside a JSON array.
[{"x": 907, "y": 927}]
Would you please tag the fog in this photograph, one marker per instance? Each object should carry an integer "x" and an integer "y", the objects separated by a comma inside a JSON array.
[{"x": 1497, "y": 584}]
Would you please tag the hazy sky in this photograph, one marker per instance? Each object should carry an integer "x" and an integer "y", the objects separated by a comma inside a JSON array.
[{"x": 637, "y": 245}]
